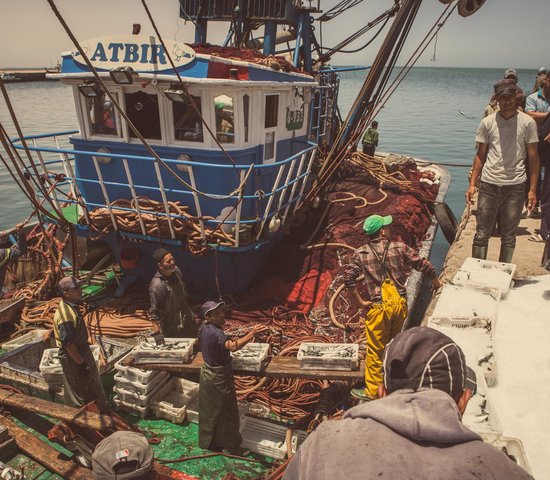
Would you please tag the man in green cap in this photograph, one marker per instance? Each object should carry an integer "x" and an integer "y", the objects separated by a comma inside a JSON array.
[{"x": 386, "y": 265}]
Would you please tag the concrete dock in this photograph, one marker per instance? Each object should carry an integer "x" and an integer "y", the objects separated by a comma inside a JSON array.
[{"x": 520, "y": 336}]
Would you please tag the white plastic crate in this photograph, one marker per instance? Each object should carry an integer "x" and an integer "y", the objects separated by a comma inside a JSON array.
[
  {"x": 478, "y": 347},
  {"x": 29, "y": 337},
  {"x": 251, "y": 357},
  {"x": 480, "y": 415},
  {"x": 130, "y": 407},
  {"x": 329, "y": 356},
  {"x": 268, "y": 437},
  {"x": 133, "y": 374},
  {"x": 135, "y": 398},
  {"x": 172, "y": 400},
  {"x": 175, "y": 350},
  {"x": 511, "y": 446},
  {"x": 50, "y": 367},
  {"x": 461, "y": 306},
  {"x": 485, "y": 273},
  {"x": 141, "y": 388}
]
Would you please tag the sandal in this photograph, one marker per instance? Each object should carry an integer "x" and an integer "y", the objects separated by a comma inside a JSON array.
[{"x": 536, "y": 237}]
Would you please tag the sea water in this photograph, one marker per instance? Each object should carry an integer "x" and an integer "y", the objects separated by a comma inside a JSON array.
[{"x": 433, "y": 115}]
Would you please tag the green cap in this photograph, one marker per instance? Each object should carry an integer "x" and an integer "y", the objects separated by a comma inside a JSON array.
[{"x": 375, "y": 222}]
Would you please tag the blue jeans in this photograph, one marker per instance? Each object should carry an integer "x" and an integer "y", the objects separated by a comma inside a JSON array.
[{"x": 506, "y": 199}]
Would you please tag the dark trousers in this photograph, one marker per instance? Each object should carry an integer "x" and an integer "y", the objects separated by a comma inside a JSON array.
[
  {"x": 369, "y": 149},
  {"x": 545, "y": 204},
  {"x": 492, "y": 199}
]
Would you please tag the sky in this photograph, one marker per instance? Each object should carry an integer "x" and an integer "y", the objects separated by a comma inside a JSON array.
[{"x": 31, "y": 35}]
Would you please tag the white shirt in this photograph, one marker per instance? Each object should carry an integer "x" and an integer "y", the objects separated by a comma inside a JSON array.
[{"x": 507, "y": 140}]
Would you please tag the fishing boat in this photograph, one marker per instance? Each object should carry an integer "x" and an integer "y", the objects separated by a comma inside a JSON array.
[{"x": 239, "y": 162}]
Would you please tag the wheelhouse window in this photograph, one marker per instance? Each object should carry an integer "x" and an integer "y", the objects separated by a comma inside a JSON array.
[
  {"x": 271, "y": 110},
  {"x": 187, "y": 122},
  {"x": 225, "y": 118},
  {"x": 143, "y": 110},
  {"x": 101, "y": 115}
]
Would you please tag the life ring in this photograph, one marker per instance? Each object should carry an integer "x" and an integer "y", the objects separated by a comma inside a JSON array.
[
  {"x": 469, "y": 7},
  {"x": 447, "y": 221}
]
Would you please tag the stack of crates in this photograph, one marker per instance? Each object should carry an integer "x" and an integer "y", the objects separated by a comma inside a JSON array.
[{"x": 135, "y": 388}]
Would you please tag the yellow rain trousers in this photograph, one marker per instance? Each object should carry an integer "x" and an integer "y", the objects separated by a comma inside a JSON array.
[{"x": 383, "y": 321}]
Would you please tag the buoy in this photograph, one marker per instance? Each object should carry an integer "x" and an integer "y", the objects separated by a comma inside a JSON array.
[
  {"x": 469, "y": 7},
  {"x": 446, "y": 220}
]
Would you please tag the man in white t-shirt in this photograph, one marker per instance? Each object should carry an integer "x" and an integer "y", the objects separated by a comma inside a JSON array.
[{"x": 506, "y": 139}]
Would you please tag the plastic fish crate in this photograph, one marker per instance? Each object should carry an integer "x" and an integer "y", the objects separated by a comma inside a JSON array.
[
  {"x": 29, "y": 337},
  {"x": 511, "y": 446},
  {"x": 480, "y": 415},
  {"x": 141, "y": 388},
  {"x": 193, "y": 412},
  {"x": 268, "y": 437},
  {"x": 329, "y": 356},
  {"x": 133, "y": 374},
  {"x": 175, "y": 350},
  {"x": 486, "y": 273},
  {"x": 172, "y": 400},
  {"x": 251, "y": 357},
  {"x": 462, "y": 306},
  {"x": 138, "y": 399},
  {"x": 478, "y": 347},
  {"x": 50, "y": 367},
  {"x": 131, "y": 407}
]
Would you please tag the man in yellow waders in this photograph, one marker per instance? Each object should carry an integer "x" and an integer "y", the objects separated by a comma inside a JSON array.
[{"x": 386, "y": 266}]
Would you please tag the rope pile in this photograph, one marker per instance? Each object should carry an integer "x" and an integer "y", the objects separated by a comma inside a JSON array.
[
  {"x": 122, "y": 317},
  {"x": 186, "y": 228}
]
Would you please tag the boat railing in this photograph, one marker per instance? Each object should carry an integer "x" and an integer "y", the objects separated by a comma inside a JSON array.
[{"x": 65, "y": 187}]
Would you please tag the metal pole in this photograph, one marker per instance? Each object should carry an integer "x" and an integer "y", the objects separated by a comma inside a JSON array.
[
  {"x": 134, "y": 196},
  {"x": 163, "y": 195},
  {"x": 105, "y": 194},
  {"x": 270, "y": 201}
]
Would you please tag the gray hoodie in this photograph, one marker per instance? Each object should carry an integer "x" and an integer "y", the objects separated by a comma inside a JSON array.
[{"x": 407, "y": 435}]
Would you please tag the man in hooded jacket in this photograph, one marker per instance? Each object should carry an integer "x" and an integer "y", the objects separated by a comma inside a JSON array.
[{"x": 414, "y": 431}]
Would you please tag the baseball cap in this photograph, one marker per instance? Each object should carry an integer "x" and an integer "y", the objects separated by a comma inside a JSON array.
[
  {"x": 543, "y": 70},
  {"x": 510, "y": 72},
  {"x": 422, "y": 357},
  {"x": 210, "y": 306},
  {"x": 505, "y": 87},
  {"x": 68, "y": 282},
  {"x": 122, "y": 455},
  {"x": 374, "y": 223}
]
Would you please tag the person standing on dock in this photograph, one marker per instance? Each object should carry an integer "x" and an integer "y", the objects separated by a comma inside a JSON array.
[
  {"x": 370, "y": 139},
  {"x": 386, "y": 266},
  {"x": 415, "y": 430},
  {"x": 218, "y": 410},
  {"x": 81, "y": 376},
  {"x": 10, "y": 255},
  {"x": 506, "y": 139},
  {"x": 169, "y": 310},
  {"x": 538, "y": 108}
]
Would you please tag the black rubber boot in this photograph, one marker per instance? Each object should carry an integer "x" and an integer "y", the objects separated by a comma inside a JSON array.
[
  {"x": 545, "y": 262},
  {"x": 506, "y": 254},
  {"x": 479, "y": 252}
]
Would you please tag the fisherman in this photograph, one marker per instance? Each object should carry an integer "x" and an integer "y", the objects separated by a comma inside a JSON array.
[
  {"x": 170, "y": 311},
  {"x": 511, "y": 74},
  {"x": 538, "y": 108},
  {"x": 504, "y": 141},
  {"x": 81, "y": 376},
  {"x": 218, "y": 411},
  {"x": 370, "y": 139},
  {"x": 386, "y": 265},
  {"x": 415, "y": 430},
  {"x": 11, "y": 254}
]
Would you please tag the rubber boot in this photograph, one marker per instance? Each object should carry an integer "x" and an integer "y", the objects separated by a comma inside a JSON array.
[
  {"x": 545, "y": 262},
  {"x": 479, "y": 252},
  {"x": 506, "y": 254}
]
